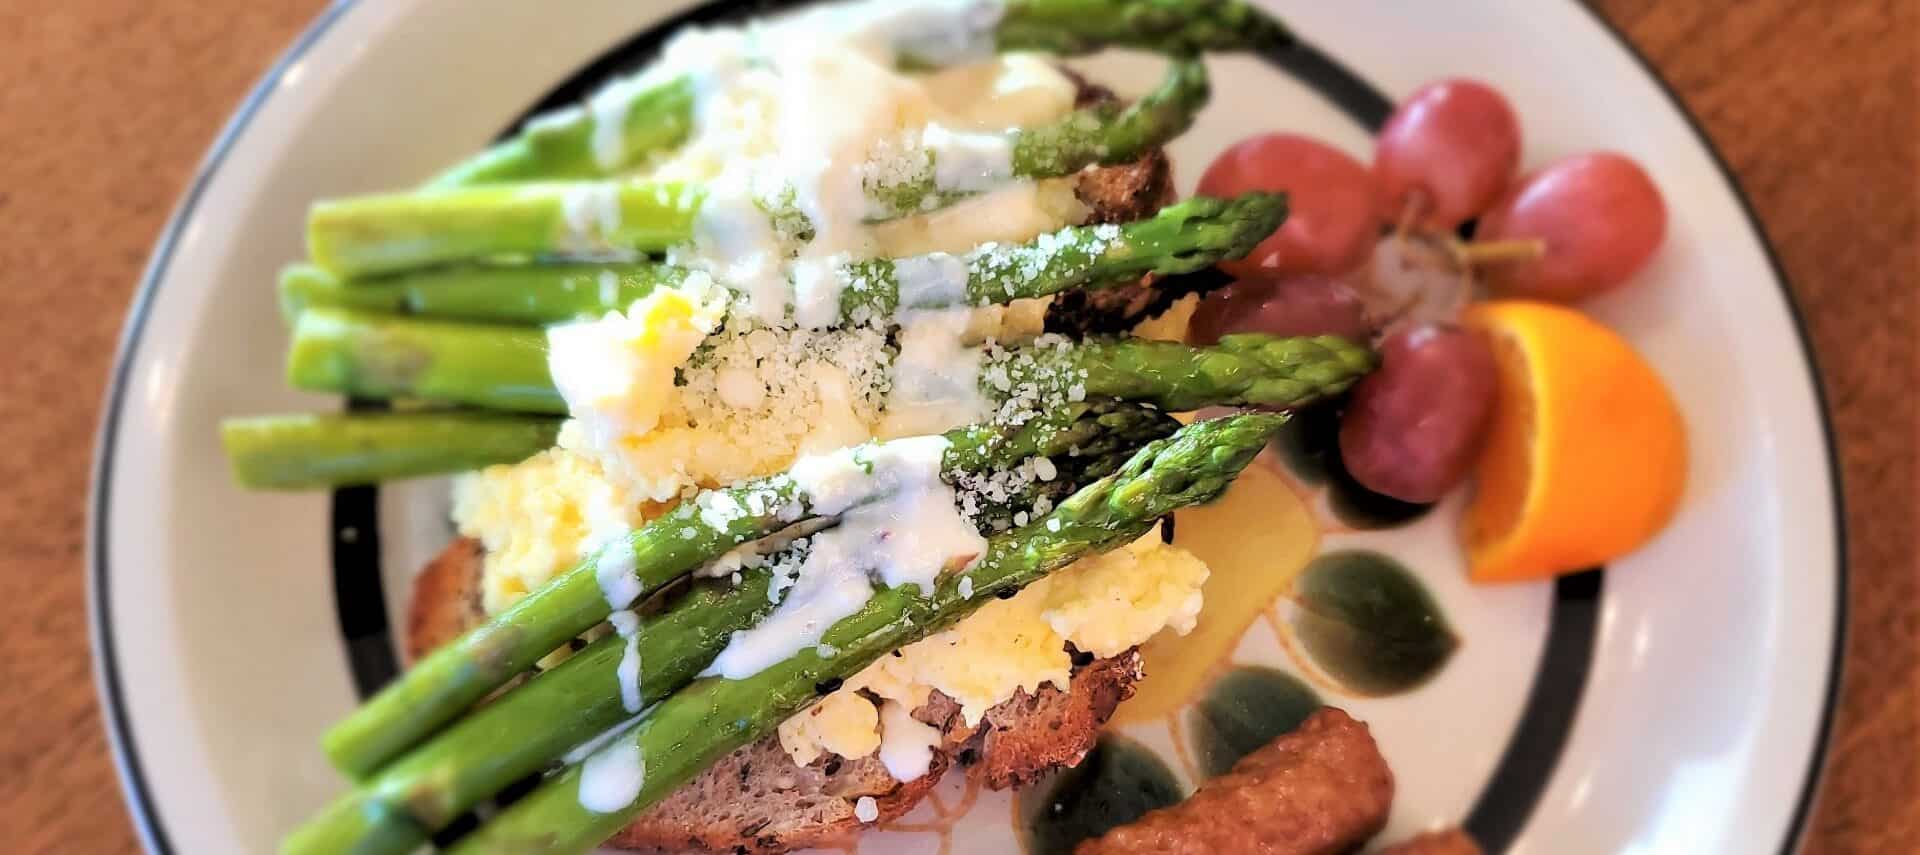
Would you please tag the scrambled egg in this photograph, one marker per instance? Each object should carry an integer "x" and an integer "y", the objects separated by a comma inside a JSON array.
[
  {"x": 842, "y": 723},
  {"x": 536, "y": 518},
  {"x": 1110, "y": 602},
  {"x": 1103, "y": 605},
  {"x": 617, "y": 373}
]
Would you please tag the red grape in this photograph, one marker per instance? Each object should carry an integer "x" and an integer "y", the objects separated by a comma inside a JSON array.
[
  {"x": 1413, "y": 426},
  {"x": 1449, "y": 149},
  {"x": 1330, "y": 216},
  {"x": 1599, "y": 215},
  {"x": 1308, "y": 304}
]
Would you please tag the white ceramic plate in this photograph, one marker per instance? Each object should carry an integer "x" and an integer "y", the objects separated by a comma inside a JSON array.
[{"x": 1675, "y": 702}]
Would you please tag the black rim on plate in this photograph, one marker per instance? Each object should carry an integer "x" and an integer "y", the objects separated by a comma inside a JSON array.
[{"x": 1498, "y": 814}]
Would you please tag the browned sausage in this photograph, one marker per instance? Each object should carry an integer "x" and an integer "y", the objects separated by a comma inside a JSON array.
[
  {"x": 1451, "y": 841},
  {"x": 1323, "y": 788}
]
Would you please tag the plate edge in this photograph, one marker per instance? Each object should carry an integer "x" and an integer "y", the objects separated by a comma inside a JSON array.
[
  {"x": 141, "y": 806},
  {"x": 1815, "y": 773}
]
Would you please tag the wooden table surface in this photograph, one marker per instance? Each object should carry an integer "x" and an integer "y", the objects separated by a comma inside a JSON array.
[{"x": 106, "y": 108}]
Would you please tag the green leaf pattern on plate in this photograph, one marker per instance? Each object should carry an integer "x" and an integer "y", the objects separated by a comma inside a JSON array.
[
  {"x": 1117, "y": 782},
  {"x": 1367, "y": 622},
  {"x": 1243, "y": 710}
]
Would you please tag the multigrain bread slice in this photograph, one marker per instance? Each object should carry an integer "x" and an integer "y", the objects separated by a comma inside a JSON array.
[
  {"x": 446, "y": 598},
  {"x": 757, "y": 800}
]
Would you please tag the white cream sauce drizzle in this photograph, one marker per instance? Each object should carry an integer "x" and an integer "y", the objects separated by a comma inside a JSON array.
[
  {"x": 787, "y": 113},
  {"x": 907, "y": 535},
  {"x": 609, "y": 287},
  {"x": 601, "y": 740},
  {"x": 592, "y": 214},
  {"x": 609, "y": 107},
  {"x": 936, "y": 377},
  {"x": 906, "y": 743},
  {"x": 931, "y": 281},
  {"x": 817, "y": 286},
  {"x": 614, "y": 569},
  {"x": 627, "y": 625},
  {"x": 968, "y": 162},
  {"x": 611, "y": 778}
]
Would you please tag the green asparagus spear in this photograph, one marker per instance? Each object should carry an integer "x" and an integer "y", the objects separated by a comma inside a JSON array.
[
  {"x": 302, "y": 451},
  {"x": 372, "y": 356},
  {"x": 619, "y": 126},
  {"x": 1102, "y": 133},
  {"x": 638, "y": 116},
  {"x": 380, "y": 356},
  {"x": 695, "y": 532},
  {"x": 388, "y": 233},
  {"x": 1177, "y": 27},
  {"x": 693, "y": 728},
  {"x": 528, "y": 729},
  {"x": 1180, "y": 238},
  {"x": 503, "y": 368},
  {"x": 1243, "y": 369},
  {"x": 511, "y": 294}
]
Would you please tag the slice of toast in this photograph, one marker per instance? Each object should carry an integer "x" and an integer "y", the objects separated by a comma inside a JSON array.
[{"x": 757, "y": 800}]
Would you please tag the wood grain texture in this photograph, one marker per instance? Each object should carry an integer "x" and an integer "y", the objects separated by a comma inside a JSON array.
[{"x": 106, "y": 108}]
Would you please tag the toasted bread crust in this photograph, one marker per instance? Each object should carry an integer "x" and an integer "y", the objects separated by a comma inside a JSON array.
[
  {"x": 1028, "y": 735},
  {"x": 757, "y": 800},
  {"x": 446, "y": 598},
  {"x": 1114, "y": 194},
  {"x": 1128, "y": 191}
]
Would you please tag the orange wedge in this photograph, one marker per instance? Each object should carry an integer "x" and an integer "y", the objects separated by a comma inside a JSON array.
[{"x": 1586, "y": 455}]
